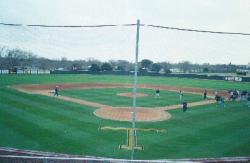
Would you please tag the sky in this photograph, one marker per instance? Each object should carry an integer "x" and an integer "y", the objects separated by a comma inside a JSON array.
[{"x": 119, "y": 42}]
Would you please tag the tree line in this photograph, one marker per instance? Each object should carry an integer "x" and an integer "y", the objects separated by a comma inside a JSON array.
[{"x": 13, "y": 59}]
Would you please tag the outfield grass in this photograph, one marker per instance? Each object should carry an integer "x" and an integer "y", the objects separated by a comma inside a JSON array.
[
  {"x": 109, "y": 97},
  {"x": 42, "y": 123},
  {"x": 47, "y": 79}
]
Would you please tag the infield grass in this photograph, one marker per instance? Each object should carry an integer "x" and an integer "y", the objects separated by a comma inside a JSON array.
[
  {"x": 110, "y": 97},
  {"x": 42, "y": 123}
]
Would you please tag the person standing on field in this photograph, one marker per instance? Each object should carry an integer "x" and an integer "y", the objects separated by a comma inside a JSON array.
[
  {"x": 222, "y": 102},
  {"x": 180, "y": 95},
  {"x": 205, "y": 94},
  {"x": 157, "y": 92},
  {"x": 215, "y": 94},
  {"x": 56, "y": 93},
  {"x": 248, "y": 100},
  {"x": 231, "y": 95},
  {"x": 184, "y": 106}
]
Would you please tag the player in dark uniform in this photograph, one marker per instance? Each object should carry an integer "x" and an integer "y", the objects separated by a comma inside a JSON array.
[
  {"x": 184, "y": 106},
  {"x": 243, "y": 95},
  {"x": 217, "y": 99},
  {"x": 157, "y": 92},
  {"x": 56, "y": 93},
  {"x": 248, "y": 99},
  {"x": 205, "y": 94}
]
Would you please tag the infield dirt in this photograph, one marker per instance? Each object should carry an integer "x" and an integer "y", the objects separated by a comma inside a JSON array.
[{"x": 144, "y": 114}]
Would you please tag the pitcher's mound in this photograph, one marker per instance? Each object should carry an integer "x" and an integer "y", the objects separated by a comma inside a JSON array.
[
  {"x": 131, "y": 94},
  {"x": 125, "y": 114}
]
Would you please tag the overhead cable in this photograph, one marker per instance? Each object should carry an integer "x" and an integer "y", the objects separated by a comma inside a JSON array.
[
  {"x": 196, "y": 30},
  {"x": 67, "y": 26},
  {"x": 117, "y": 25}
]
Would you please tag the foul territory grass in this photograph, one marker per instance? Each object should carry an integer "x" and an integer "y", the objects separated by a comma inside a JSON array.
[
  {"x": 38, "y": 122},
  {"x": 207, "y": 131},
  {"x": 109, "y": 97}
]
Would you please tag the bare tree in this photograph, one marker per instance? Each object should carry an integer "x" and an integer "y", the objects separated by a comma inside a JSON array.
[
  {"x": 166, "y": 66},
  {"x": 185, "y": 66}
]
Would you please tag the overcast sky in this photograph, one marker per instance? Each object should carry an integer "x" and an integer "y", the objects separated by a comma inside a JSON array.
[{"x": 119, "y": 42}]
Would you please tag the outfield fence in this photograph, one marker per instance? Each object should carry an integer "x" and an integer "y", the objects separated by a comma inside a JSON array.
[
  {"x": 178, "y": 75},
  {"x": 29, "y": 71},
  {"x": 192, "y": 76}
]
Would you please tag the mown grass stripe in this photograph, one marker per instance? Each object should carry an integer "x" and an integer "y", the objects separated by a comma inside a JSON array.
[
  {"x": 45, "y": 103},
  {"x": 48, "y": 114},
  {"x": 18, "y": 139},
  {"x": 193, "y": 132},
  {"x": 43, "y": 131}
]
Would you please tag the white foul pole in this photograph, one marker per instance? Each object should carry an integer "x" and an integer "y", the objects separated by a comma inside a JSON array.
[{"x": 134, "y": 90}]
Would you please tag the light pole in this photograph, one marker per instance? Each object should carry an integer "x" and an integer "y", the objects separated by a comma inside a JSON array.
[{"x": 134, "y": 91}]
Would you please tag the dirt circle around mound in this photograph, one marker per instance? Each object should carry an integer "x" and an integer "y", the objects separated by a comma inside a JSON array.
[
  {"x": 125, "y": 114},
  {"x": 129, "y": 94}
]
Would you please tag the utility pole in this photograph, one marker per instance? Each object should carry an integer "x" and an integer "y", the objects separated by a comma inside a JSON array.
[{"x": 134, "y": 91}]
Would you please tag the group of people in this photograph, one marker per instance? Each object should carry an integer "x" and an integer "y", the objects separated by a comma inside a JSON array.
[
  {"x": 157, "y": 94},
  {"x": 232, "y": 96},
  {"x": 240, "y": 95},
  {"x": 184, "y": 103},
  {"x": 237, "y": 94},
  {"x": 220, "y": 100}
]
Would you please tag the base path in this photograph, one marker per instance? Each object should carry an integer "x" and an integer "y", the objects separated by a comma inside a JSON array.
[
  {"x": 192, "y": 104},
  {"x": 144, "y": 114}
]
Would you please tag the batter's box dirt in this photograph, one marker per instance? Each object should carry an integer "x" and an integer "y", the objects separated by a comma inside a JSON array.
[
  {"x": 131, "y": 94},
  {"x": 125, "y": 114}
]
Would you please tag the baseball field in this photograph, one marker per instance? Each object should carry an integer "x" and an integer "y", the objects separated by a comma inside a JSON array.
[{"x": 31, "y": 117}]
